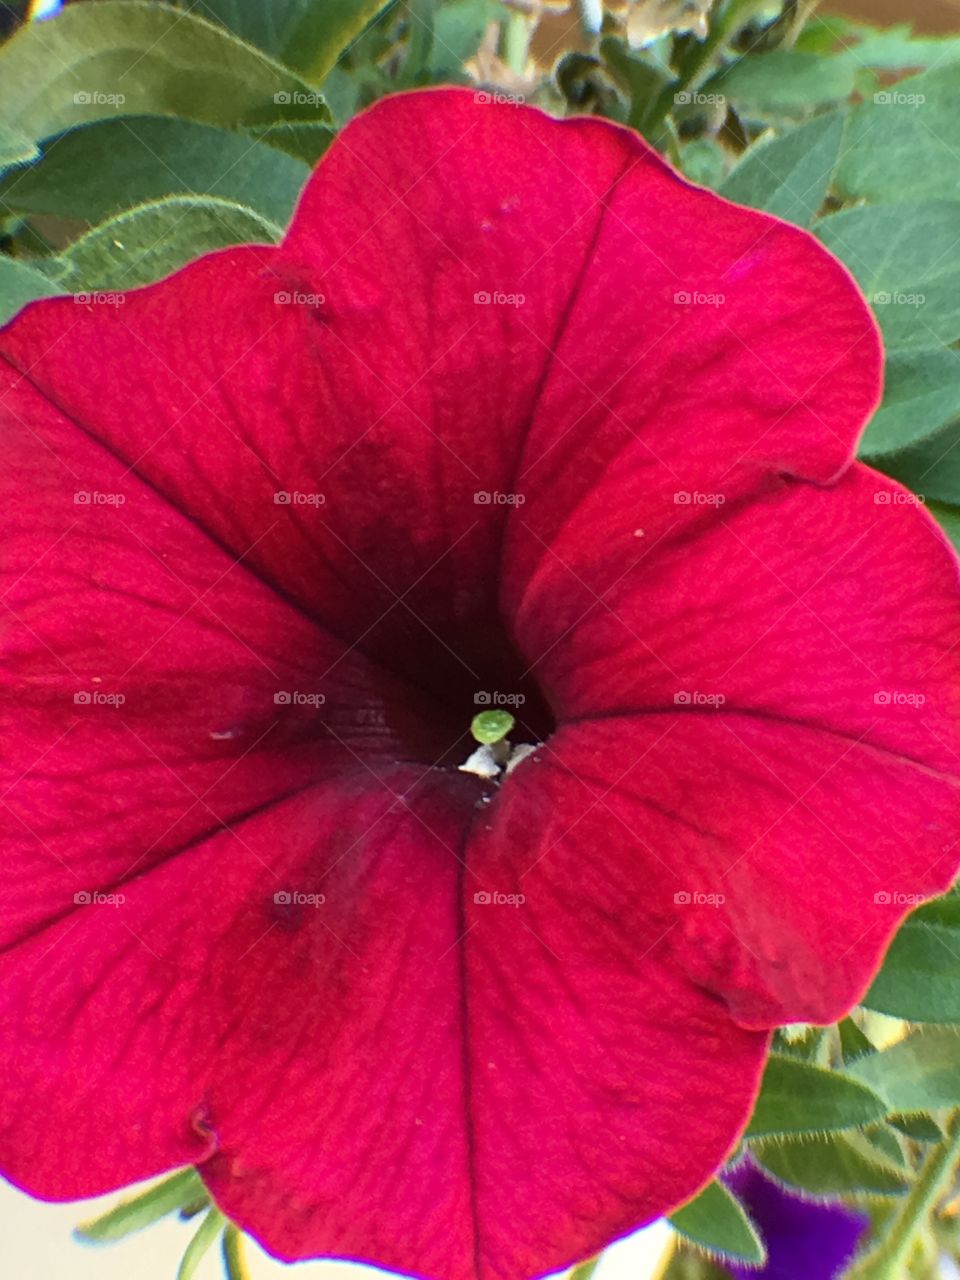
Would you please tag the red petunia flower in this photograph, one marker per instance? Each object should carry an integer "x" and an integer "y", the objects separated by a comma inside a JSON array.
[{"x": 514, "y": 416}]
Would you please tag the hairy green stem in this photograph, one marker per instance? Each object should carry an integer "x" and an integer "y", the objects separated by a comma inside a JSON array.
[
  {"x": 516, "y": 41},
  {"x": 585, "y": 1270},
  {"x": 234, "y": 1262},
  {"x": 146, "y": 1208},
  {"x": 208, "y": 1231},
  {"x": 890, "y": 1258},
  {"x": 698, "y": 63}
]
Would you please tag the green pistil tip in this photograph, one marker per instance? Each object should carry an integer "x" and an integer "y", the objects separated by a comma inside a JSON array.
[{"x": 491, "y": 726}]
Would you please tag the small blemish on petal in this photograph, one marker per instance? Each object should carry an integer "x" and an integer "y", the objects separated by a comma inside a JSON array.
[
  {"x": 202, "y": 1126},
  {"x": 749, "y": 262}
]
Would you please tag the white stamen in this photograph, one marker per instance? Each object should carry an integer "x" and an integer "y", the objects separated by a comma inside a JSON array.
[{"x": 482, "y": 762}]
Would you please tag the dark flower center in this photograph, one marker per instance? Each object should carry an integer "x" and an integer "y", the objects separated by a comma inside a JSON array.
[
  {"x": 434, "y": 660},
  {"x": 483, "y": 672}
]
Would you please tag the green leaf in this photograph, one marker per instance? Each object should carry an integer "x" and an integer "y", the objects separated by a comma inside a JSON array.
[
  {"x": 15, "y": 147},
  {"x": 904, "y": 259},
  {"x": 154, "y": 239},
  {"x": 922, "y": 395},
  {"x": 797, "y": 1097},
  {"x": 458, "y": 28},
  {"x": 822, "y": 36},
  {"x": 944, "y": 910},
  {"x": 145, "y": 1209},
  {"x": 904, "y": 149},
  {"x": 20, "y": 284},
  {"x": 829, "y": 1165},
  {"x": 270, "y": 25},
  {"x": 716, "y": 1222},
  {"x": 800, "y": 1040},
  {"x": 932, "y": 469},
  {"x": 790, "y": 175},
  {"x": 208, "y": 1231},
  {"x": 301, "y": 139},
  {"x": 886, "y": 1141},
  {"x": 853, "y": 1042},
  {"x": 308, "y": 35},
  {"x": 920, "y": 1073},
  {"x": 920, "y": 976},
  {"x": 703, "y": 162},
  {"x": 919, "y": 1127},
  {"x": 644, "y": 82},
  {"x": 128, "y": 57},
  {"x": 948, "y": 518},
  {"x": 893, "y": 48},
  {"x": 896, "y": 48},
  {"x": 419, "y": 15},
  {"x": 327, "y": 30},
  {"x": 784, "y": 83},
  {"x": 100, "y": 169}
]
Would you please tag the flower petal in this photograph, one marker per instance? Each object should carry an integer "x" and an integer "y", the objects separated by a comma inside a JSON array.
[
  {"x": 320, "y": 1008},
  {"x": 776, "y": 692},
  {"x": 805, "y": 1240},
  {"x": 353, "y": 452},
  {"x": 247, "y": 978},
  {"x": 154, "y": 688},
  {"x": 380, "y": 383}
]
